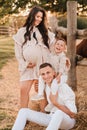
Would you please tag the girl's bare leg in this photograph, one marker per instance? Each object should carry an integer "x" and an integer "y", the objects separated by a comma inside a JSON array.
[
  {"x": 25, "y": 87},
  {"x": 43, "y": 102},
  {"x": 36, "y": 85}
]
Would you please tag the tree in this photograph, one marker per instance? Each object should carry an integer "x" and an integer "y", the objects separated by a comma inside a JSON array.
[
  {"x": 57, "y": 5},
  {"x": 83, "y": 4},
  {"x": 13, "y": 6},
  {"x": 52, "y": 5}
]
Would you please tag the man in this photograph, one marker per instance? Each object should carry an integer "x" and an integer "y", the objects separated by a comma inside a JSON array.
[{"x": 62, "y": 115}]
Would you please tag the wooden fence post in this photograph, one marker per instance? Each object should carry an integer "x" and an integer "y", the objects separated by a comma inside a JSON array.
[{"x": 71, "y": 40}]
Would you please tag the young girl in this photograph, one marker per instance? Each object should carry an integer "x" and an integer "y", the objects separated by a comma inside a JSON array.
[{"x": 61, "y": 65}]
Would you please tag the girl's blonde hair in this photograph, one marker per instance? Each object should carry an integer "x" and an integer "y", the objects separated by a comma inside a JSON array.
[{"x": 62, "y": 39}]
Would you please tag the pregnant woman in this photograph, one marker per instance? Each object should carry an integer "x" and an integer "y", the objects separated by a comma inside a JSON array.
[{"x": 32, "y": 47}]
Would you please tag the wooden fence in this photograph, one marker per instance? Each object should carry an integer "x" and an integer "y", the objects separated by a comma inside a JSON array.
[{"x": 7, "y": 30}]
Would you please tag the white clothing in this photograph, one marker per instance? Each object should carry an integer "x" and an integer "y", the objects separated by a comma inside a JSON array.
[
  {"x": 57, "y": 118},
  {"x": 66, "y": 96},
  {"x": 31, "y": 51},
  {"x": 54, "y": 121},
  {"x": 41, "y": 86},
  {"x": 59, "y": 64}
]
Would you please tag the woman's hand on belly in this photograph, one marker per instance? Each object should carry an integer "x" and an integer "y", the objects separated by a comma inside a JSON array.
[{"x": 31, "y": 65}]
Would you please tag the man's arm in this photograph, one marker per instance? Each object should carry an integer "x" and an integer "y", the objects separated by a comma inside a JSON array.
[
  {"x": 63, "y": 108},
  {"x": 43, "y": 103}
]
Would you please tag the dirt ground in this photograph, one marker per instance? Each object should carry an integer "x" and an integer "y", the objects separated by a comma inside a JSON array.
[{"x": 9, "y": 97}]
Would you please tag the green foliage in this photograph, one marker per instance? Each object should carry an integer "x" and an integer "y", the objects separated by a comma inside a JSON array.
[
  {"x": 62, "y": 21},
  {"x": 57, "y": 5},
  {"x": 7, "y": 119},
  {"x": 52, "y": 5},
  {"x": 6, "y": 129},
  {"x": 81, "y": 22},
  {"x": 13, "y": 6},
  {"x": 2, "y": 116},
  {"x": 82, "y": 2},
  {"x": 6, "y": 7}
]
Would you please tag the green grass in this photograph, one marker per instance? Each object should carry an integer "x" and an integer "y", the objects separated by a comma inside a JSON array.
[
  {"x": 2, "y": 116},
  {"x": 81, "y": 22},
  {"x": 7, "y": 128},
  {"x": 7, "y": 119},
  {"x": 6, "y": 53},
  {"x": 6, "y": 50}
]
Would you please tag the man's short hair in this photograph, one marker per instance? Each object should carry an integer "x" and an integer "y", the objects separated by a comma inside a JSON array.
[{"x": 45, "y": 65}]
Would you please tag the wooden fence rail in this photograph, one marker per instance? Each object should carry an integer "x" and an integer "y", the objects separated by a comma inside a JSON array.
[{"x": 7, "y": 30}]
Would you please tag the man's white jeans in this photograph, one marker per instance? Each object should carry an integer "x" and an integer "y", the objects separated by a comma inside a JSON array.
[{"x": 52, "y": 121}]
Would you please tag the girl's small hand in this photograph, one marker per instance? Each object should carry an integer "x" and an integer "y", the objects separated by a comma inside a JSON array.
[
  {"x": 58, "y": 78},
  {"x": 31, "y": 65}
]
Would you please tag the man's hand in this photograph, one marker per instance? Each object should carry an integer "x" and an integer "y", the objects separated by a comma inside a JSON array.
[
  {"x": 72, "y": 115},
  {"x": 31, "y": 65}
]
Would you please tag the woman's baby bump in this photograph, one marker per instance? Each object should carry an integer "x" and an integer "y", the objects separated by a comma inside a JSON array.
[{"x": 32, "y": 53}]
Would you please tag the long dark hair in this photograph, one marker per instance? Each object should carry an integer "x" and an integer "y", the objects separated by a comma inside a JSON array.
[{"x": 42, "y": 27}]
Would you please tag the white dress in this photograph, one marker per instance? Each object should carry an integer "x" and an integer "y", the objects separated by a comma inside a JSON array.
[{"x": 31, "y": 51}]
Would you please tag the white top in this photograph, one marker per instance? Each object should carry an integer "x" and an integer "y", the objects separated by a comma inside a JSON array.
[
  {"x": 59, "y": 62},
  {"x": 31, "y": 52},
  {"x": 66, "y": 96}
]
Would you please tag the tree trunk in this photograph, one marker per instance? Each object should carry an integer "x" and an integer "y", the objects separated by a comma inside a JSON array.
[{"x": 71, "y": 41}]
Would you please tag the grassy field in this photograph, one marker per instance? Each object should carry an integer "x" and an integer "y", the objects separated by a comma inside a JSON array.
[
  {"x": 6, "y": 50},
  {"x": 6, "y": 53}
]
